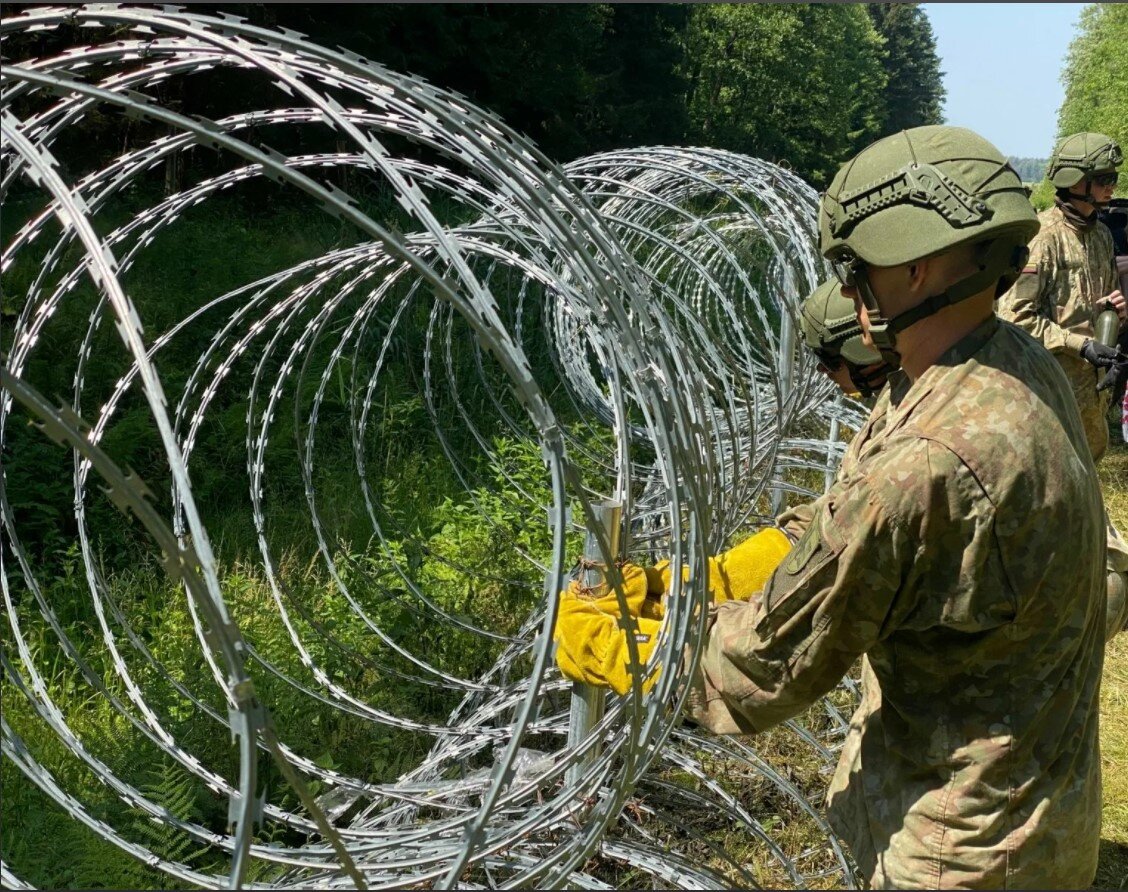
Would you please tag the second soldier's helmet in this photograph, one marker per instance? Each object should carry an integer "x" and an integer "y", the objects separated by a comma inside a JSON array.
[
  {"x": 832, "y": 332},
  {"x": 831, "y": 328},
  {"x": 1081, "y": 154}
]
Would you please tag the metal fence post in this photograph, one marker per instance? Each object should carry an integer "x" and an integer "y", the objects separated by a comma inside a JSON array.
[
  {"x": 832, "y": 437},
  {"x": 588, "y": 702},
  {"x": 786, "y": 373}
]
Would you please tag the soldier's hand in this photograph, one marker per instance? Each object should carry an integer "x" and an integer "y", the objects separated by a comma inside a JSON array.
[
  {"x": 1119, "y": 303},
  {"x": 591, "y": 638},
  {"x": 736, "y": 574},
  {"x": 1116, "y": 379},
  {"x": 1097, "y": 354}
]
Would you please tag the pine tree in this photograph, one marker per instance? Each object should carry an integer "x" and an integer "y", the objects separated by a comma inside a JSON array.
[
  {"x": 798, "y": 84},
  {"x": 915, "y": 92}
]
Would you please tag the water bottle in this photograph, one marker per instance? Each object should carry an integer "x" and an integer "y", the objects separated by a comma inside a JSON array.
[{"x": 1107, "y": 328}]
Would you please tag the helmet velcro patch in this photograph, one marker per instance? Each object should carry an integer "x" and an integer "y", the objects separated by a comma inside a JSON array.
[{"x": 920, "y": 184}]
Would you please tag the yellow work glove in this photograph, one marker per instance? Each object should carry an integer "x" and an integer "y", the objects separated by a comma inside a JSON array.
[
  {"x": 591, "y": 646},
  {"x": 736, "y": 574}
]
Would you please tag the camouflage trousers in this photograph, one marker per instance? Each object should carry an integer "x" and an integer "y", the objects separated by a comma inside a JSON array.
[
  {"x": 1117, "y": 610},
  {"x": 1094, "y": 406}
]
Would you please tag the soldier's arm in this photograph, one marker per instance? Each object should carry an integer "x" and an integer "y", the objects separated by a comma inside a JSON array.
[
  {"x": 836, "y": 595},
  {"x": 1030, "y": 303},
  {"x": 1110, "y": 286}
]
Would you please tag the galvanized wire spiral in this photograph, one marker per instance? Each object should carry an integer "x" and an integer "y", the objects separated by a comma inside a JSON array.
[{"x": 631, "y": 316}]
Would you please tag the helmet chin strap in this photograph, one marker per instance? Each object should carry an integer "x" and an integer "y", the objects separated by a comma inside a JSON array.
[
  {"x": 880, "y": 329},
  {"x": 1088, "y": 198},
  {"x": 867, "y": 384},
  {"x": 998, "y": 265}
]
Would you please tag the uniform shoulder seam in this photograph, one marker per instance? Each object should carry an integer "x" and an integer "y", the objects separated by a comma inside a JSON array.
[
  {"x": 964, "y": 463},
  {"x": 908, "y": 440}
]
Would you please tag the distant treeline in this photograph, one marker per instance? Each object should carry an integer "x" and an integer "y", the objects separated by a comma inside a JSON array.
[
  {"x": 1095, "y": 77},
  {"x": 805, "y": 85},
  {"x": 1031, "y": 170}
]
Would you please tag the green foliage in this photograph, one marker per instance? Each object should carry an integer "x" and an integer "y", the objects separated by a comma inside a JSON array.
[
  {"x": 35, "y": 834},
  {"x": 914, "y": 94},
  {"x": 1042, "y": 195},
  {"x": 174, "y": 789},
  {"x": 775, "y": 80},
  {"x": 576, "y": 78},
  {"x": 797, "y": 84},
  {"x": 806, "y": 85},
  {"x": 643, "y": 90},
  {"x": 1030, "y": 170},
  {"x": 38, "y": 840},
  {"x": 1096, "y": 76}
]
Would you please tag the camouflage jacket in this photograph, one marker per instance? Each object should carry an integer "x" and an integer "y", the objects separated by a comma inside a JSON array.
[
  {"x": 795, "y": 521},
  {"x": 1054, "y": 299},
  {"x": 961, "y": 549},
  {"x": 1067, "y": 273}
]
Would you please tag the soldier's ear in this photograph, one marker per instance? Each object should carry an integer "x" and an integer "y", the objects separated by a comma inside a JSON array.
[{"x": 916, "y": 274}]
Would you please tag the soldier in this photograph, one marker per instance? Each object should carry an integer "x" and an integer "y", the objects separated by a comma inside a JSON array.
[
  {"x": 962, "y": 555},
  {"x": 832, "y": 333},
  {"x": 1071, "y": 274},
  {"x": 960, "y": 551}
]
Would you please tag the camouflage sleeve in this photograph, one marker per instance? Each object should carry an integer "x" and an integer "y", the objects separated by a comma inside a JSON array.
[
  {"x": 1112, "y": 281},
  {"x": 1030, "y": 303},
  {"x": 852, "y": 580},
  {"x": 795, "y": 521}
]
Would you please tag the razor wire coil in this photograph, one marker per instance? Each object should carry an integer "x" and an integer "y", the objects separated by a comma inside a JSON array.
[{"x": 627, "y": 316}]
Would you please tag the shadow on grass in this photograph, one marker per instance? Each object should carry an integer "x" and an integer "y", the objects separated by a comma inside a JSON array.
[{"x": 1112, "y": 866}]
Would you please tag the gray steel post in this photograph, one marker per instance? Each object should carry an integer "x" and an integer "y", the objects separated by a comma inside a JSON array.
[
  {"x": 831, "y": 438},
  {"x": 786, "y": 374},
  {"x": 588, "y": 702}
]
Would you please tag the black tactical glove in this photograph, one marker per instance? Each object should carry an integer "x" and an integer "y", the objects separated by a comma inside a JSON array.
[
  {"x": 1096, "y": 353},
  {"x": 1116, "y": 378}
]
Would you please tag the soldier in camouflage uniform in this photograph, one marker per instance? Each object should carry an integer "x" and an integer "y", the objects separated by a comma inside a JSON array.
[
  {"x": 961, "y": 551},
  {"x": 832, "y": 333},
  {"x": 1070, "y": 276}
]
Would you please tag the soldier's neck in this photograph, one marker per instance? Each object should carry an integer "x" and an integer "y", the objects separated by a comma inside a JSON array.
[
  {"x": 1084, "y": 208},
  {"x": 922, "y": 344}
]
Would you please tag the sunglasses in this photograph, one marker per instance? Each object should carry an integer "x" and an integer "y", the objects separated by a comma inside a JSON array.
[
  {"x": 847, "y": 270},
  {"x": 1105, "y": 179},
  {"x": 827, "y": 362}
]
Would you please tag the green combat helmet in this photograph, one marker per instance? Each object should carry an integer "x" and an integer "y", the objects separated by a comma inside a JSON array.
[
  {"x": 832, "y": 332},
  {"x": 1080, "y": 155},
  {"x": 919, "y": 193}
]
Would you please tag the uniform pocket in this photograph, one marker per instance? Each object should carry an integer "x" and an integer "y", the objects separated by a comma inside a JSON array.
[{"x": 811, "y": 554}]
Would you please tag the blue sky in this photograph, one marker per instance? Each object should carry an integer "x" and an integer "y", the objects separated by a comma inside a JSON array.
[{"x": 1002, "y": 64}]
